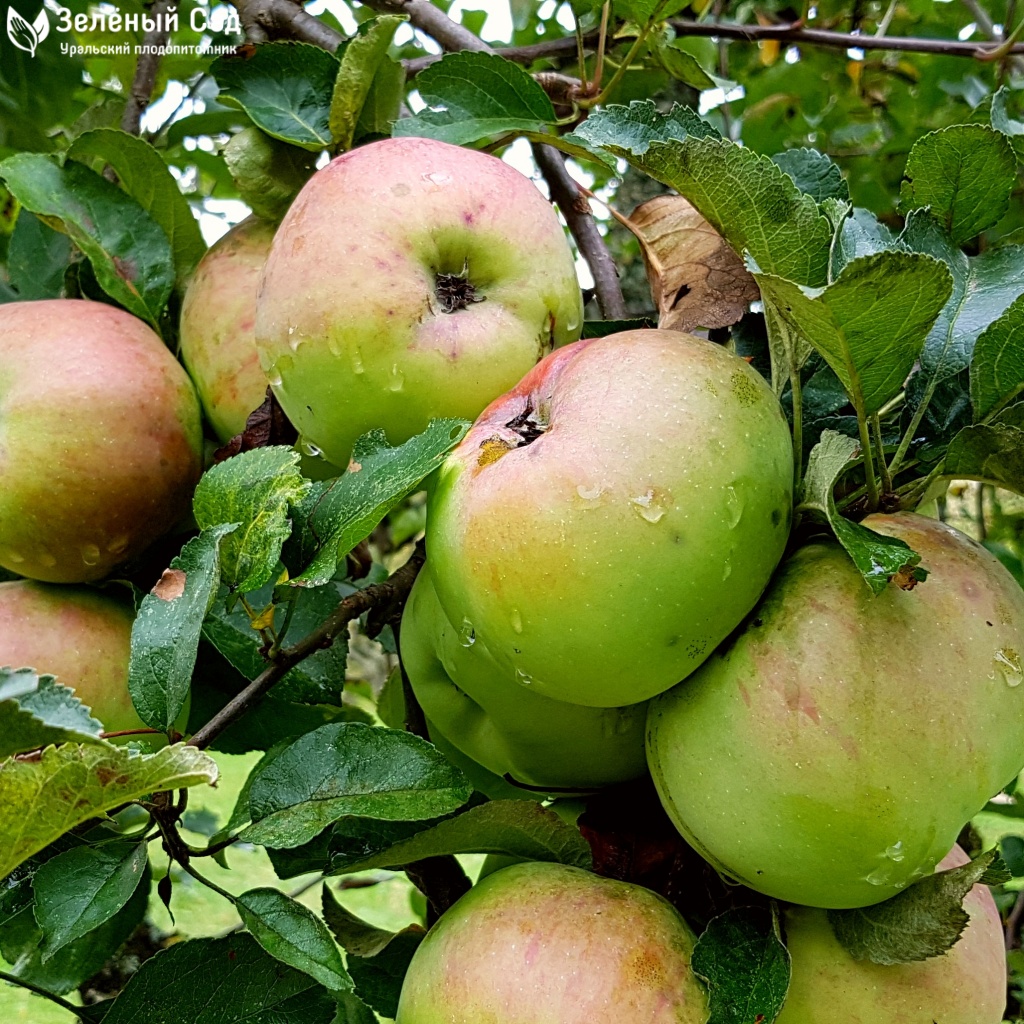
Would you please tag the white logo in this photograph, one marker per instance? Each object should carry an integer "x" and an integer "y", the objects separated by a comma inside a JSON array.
[{"x": 25, "y": 36}]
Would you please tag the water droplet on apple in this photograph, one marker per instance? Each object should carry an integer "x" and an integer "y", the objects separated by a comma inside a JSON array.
[
  {"x": 733, "y": 507},
  {"x": 274, "y": 377},
  {"x": 726, "y": 571},
  {"x": 1007, "y": 663},
  {"x": 881, "y": 875},
  {"x": 90, "y": 554},
  {"x": 523, "y": 679},
  {"x": 357, "y": 360},
  {"x": 14, "y": 556},
  {"x": 467, "y": 634},
  {"x": 589, "y": 493},
  {"x": 45, "y": 558},
  {"x": 648, "y": 508},
  {"x": 896, "y": 853},
  {"x": 397, "y": 381},
  {"x": 516, "y": 621},
  {"x": 307, "y": 448},
  {"x": 117, "y": 545},
  {"x": 332, "y": 345}
]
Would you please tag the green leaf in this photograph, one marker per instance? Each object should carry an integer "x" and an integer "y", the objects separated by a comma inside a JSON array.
[
  {"x": 343, "y": 511},
  {"x": 814, "y": 174},
  {"x": 36, "y": 711},
  {"x": 209, "y": 123},
  {"x": 923, "y": 921},
  {"x": 476, "y": 96},
  {"x": 383, "y": 101},
  {"x": 870, "y": 324},
  {"x": 750, "y": 201},
  {"x": 285, "y": 88},
  {"x": 983, "y": 287},
  {"x": 268, "y": 173},
  {"x": 745, "y": 966},
  {"x": 37, "y": 258},
  {"x": 293, "y": 934},
  {"x": 144, "y": 176},
  {"x": 352, "y": 933},
  {"x": 517, "y": 828},
  {"x": 318, "y": 679},
  {"x": 964, "y": 175},
  {"x": 350, "y": 769},
  {"x": 682, "y": 66},
  {"x": 79, "y": 890},
  {"x": 361, "y": 59},
  {"x": 861, "y": 234},
  {"x": 997, "y": 365},
  {"x": 128, "y": 250},
  {"x": 993, "y": 453},
  {"x": 642, "y": 11},
  {"x": 79, "y": 960},
  {"x": 253, "y": 490},
  {"x": 165, "y": 634},
  {"x": 378, "y": 959},
  {"x": 220, "y": 981},
  {"x": 1003, "y": 122},
  {"x": 877, "y": 558},
  {"x": 44, "y": 798}
]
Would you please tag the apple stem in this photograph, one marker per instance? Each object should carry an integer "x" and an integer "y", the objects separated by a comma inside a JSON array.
[{"x": 869, "y": 462}]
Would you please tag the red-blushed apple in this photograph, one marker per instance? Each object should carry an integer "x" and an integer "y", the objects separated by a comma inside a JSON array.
[
  {"x": 218, "y": 326},
  {"x": 410, "y": 279},
  {"x": 78, "y": 634},
  {"x": 605, "y": 524},
  {"x": 100, "y": 439},
  {"x": 550, "y": 944},
  {"x": 482, "y": 711},
  {"x": 966, "y": 985},
  {"x": 830, "y": 753}
]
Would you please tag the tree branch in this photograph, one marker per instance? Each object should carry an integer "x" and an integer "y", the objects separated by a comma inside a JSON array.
[
  {"x": 141, "y": 91},
  {"x": 284, "y": 19},
  {"x": 519, "y": 54},
  {"x": 576, "y": 210},
  {"x": 390, "y": 592},
  {"x": 1014, "y": 921},
  {"x": 434, "y": 22},
  {"x": 796, "y": 33}
]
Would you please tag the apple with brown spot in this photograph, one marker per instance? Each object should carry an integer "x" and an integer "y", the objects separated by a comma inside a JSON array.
[
  {"x": 607, "y": 522},
  {"x": 410, "y": 279},
  {"x": 100, "y": 439},
  {"x": 551, "y": 944},
  {"x": 831, "y": 751}
]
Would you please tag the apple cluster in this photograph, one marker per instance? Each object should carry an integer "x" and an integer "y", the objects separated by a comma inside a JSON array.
[{"x": 610, "y": 589}]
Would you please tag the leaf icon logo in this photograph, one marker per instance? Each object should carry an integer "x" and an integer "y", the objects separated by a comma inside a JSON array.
[{"x": 25, "y": 36}]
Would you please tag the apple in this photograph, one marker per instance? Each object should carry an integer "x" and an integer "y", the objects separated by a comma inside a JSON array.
[
  {"x": 100, "y": 439},
  {"x": 543, "y": 943},
  {"x": 78, "y": 634},
  {"x": 410, "y": 279},
  {"x": 481, "y": 710},
  {"x": 966, "y": 985},
  {"x": 606, "y": 523},
  {"x": 218, "y": 327},
  {"x": 830, "y": 753}
]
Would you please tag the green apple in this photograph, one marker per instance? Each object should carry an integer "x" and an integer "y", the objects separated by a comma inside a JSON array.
[
  {"x": 80, "y": 635},
  {"x": 100, "y": 439},
  {"x": 480, "y": 709},
  {"x": 410, "y": 279},
  {"x": 830, "y": 753},
  {"x": 966, "y": 985},
  {"x": 605, "y": 524},
  {"x": 218, "y": 327},
  {"x": 551, "y": 944}
]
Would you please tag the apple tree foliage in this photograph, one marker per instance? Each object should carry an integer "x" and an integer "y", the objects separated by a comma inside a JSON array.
[{"x": 867, "y": 199}]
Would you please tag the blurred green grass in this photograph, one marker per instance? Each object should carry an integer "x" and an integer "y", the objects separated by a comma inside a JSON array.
[{"x": 199, "y": 911}]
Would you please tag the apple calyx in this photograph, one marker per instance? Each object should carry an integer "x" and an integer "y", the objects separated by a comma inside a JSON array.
[
  {"x": 527, "y": 426},
  {"x": 455, "y": 292}
]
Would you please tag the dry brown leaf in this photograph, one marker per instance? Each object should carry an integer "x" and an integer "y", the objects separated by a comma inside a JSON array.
[
  {"x": 170, "y": 586},
  {"x": 696, "y": 279}
]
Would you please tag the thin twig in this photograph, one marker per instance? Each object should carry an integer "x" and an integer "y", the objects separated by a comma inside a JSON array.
[
  {"x": 434, "y": 22},
  {"x": 144, "y": 80},
  {"x": 576, "y": 210},
  {"x": 796, "y": 33},
  {"x": 78, "y": 1011},
  {"x": 392, "y": 590},
  {"x": 283, "y": 19}
]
